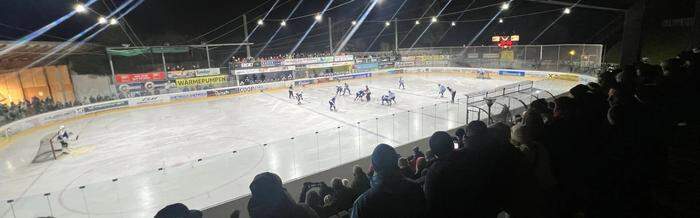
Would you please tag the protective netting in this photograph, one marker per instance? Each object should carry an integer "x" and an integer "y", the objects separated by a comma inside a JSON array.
[{"x": 49, "y": 149}]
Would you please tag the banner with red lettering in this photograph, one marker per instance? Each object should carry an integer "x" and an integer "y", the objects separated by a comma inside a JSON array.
[{"x": 140, "y": 77}]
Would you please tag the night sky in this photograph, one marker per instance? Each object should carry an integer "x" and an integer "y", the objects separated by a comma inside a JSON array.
[{"x": 156, "y": 22}]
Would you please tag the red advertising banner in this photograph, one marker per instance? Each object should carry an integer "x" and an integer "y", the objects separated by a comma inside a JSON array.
[{"x": 140, "y": 77}]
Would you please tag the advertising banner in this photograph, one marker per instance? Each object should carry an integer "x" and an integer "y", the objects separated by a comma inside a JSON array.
[
  {"x": 562, "y": 76},
  {"x": 303, "y": 82},
  {"x": 343, "y": 58},
  {"x": 139, "y": 77},
  {"x": 106, "y": 105},
  {"x": 186, "y": 95},
  {"x": 367, "y": 66},
  {"x": 473, "y": 55},
  {"x": 271, "y": 63},
  {"x": 300, "y": 61},
  {"x": 148, "y": 100},
  {"x": 207, "y": 72},
  {"x": 405, "y": 64},
  {"x": 209, "y": 80},
  {"x": 222, "y": 92},
  {"x": 491, "y": 55},
  {"x": 511, "y": 72},
  {"x": 507, "y": 55},
  {"x": 329, "y": 65},
  {"x": 264, "y": 70},
  {"x": 179, "y": 74}
]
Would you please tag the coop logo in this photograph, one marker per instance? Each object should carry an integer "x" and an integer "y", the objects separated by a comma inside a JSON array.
[
  {"x": 147, "y": 100},
  {"x": 60, "y": 115},
  {"x": 103, "y": 106},
  {"x": 189, "y": 95}
]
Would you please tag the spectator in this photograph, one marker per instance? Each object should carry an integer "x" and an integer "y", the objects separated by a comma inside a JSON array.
[
  {"x": 391, "y": 195},
  {"x": 405, "y": 169},
  {"x": 270, "y": 199},
  {"x": 344, "y": 196},
  {"x": 535, "y": 190},
  {"x": 360, "y": 181},
  {"x": 315, "y": 202},
  {"x": 178, "y": 210}
]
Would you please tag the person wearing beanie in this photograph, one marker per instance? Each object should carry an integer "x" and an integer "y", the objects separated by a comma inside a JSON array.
[
  {"x": 268, "y": 199},
  {"x": 441, "y": 143},
  {"x": 391, "y": 195},
  {"x": 178, "y": 210}
]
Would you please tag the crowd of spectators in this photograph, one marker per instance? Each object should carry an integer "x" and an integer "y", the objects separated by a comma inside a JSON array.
[
  {"x": 600, "y": 151},
  {"x": 282, "y": 57},
  {"x": 15, "y": 111}
]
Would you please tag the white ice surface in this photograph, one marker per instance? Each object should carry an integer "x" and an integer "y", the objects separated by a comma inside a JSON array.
[{"x": 132, "y": 144}]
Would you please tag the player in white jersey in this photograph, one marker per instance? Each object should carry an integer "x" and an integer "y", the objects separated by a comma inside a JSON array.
[
  {"x": 63, "y": 137},
  {"x": 402, "y": 84},
  {"x": 347, "y": 89},
  {"x": 300, "y": 96}
]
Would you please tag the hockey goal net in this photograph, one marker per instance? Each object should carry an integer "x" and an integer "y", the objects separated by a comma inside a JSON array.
[{"x": 49, "y": 149}]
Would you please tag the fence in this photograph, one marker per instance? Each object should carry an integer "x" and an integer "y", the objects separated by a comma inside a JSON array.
[
  {"x": 228, "y": 174},
  {"x": 580, "y": 58}
]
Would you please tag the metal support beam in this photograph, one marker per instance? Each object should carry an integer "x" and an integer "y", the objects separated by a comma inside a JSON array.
[
  {"x": 569, "y": 4},
  {"x": 696, "y": 27},
  {"x": 632, "y": 33},
  {"x": 330, "y": 34},
  {"x": 245, "y": 37}
]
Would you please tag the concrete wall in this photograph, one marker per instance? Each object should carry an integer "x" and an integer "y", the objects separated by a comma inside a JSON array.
[{"x": 88, "y": 85}]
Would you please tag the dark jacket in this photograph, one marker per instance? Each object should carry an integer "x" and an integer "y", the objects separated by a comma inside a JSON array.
[
  {"x": 390, "y": 196},
  {"x": 269, "y": 200}
]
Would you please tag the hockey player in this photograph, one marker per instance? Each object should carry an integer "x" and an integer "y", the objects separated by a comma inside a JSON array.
[
  {"x": 385, "y": 99},
  {"x": 359, "y": 95},
  {"x": 300, "y": 96},
  {"x": 338, "y": 89},
  {"x": 392, "y": 97},
  {"x": 291, "y": 91},
  {"x": 453, "y": 93},
  {"x": 63, "y": 137},
  {"x": 332, "y": 104},
  {"x": 389, "y": 98},
  {"x": 442, "y": 90},
  {"x": 347, "y": 88},
  {"x": 401, "y": 83},
  {"x": 367, "y": 93}
]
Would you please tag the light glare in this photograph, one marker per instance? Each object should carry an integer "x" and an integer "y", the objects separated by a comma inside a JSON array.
[
  {"x": 102, "y": 20},
  {"x": 318, "y": 17},
  {"x": 505, "y": 6},
  {"x": 567, "y": 10},
  {"x": 260, "y": 22},
  {"x": 500, "y": 20},
  {"x": 386, "y": 23},
  {"x": 417, "y": 22},
  {"x": 113, "y": 21},
  {"x": 433, "y": 20},
  {"x": 453, "y": 23},
  {"x": 80, "y": 8},
  {"x": 283, "y": 23},
  {"x": 354, "y": 23}
]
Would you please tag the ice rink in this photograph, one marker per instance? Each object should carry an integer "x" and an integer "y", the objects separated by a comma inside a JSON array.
[{"x": 203, "y": 152}]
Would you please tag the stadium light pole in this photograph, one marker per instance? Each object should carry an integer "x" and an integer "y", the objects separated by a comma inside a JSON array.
[
  {"x": 330, "y": 34},
  {"x": 245, "y": 31},
  {"x": 396, "y": 35}
]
